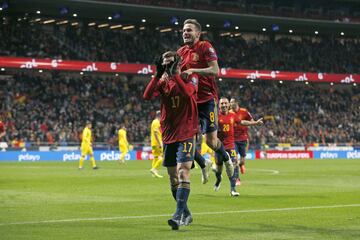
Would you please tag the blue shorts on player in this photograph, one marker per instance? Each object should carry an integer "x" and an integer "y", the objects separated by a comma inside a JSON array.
[
  {"x": 232, "y": 153},
  {"x": 241, "y": 147},
  {"x": 179, "y": 152},
  {"x": 208, "y": 116}
]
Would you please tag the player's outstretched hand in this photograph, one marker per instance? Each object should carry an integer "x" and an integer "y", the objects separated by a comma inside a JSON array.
[
  {"x": 173, "y": 68},
  {"x": 260, "y": 121},
  {"x": 160, "y": 68}
]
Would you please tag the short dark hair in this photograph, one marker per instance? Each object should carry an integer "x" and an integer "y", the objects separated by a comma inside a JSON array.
[
  {"x": 194, "y": 22},
  {"x": 224, "y": 98}
]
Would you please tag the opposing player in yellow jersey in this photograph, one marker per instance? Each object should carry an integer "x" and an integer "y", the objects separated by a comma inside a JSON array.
[
  {"x": 86, "y": 147},
  {"x": 156, "y": 145},
  {"x": 123, "y": 143}
]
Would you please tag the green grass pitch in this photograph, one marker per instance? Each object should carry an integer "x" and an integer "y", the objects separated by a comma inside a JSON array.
[{"x": 279, "y": 199}]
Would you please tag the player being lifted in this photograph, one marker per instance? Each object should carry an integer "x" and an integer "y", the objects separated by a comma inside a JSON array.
[
  {"x": 243, "y": 119},
  {"x": 179, "y": 125},
  {"x": 86, "y": 147},
  {"x": 123, "y": 143},
  {"x": 156, "y": 145},
  {"x": 226, "y": 135},
  {"x": 200, "y": 57}
]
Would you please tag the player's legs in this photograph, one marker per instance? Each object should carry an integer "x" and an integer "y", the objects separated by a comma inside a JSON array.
[
  {"x": 208, "y": 114},
  {"x": 242, "y": 151},
  {"x": 124, "y": 150},
  {"x": 233, "y": 155},
  {"x": 156, "y": 162},
  {"x": 92, "y": 159},
  {"x": 185, "y": 152},
  {"x": 237, "y": 166},
  {"x": 84, "y": 151},
  {"x": 218, "y": 171}
]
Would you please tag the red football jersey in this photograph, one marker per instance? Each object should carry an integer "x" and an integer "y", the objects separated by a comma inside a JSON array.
[
  {"x": 198, "y": 56},
  {"x": 226, "y": 130},
  {"x": 241, "y": 131},
  {"x": 179, "y": 113}
]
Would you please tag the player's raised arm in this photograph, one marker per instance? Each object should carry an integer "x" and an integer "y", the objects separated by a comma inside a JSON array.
[
  {"x": 151, "y": 89},
  {"x": 213, "y": 69},
  {"x": 252, "y": 122}
]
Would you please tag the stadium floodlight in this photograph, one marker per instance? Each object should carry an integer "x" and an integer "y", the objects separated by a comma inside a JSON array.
[
  {"x": 1, "y": 9},
  {"x": 290, "y": 31},
  {"x": 220, "y": 79},
  {"x": 236, "y": 27},
  {"x": 40, "y": 71},
  {"x": 143, "y": 20},
  {"x": 75, "y": 15},
  {"x": 316, "y": 32},
  {"x": 281, "y": 82},
  {"x": 176, "y": 23},
  {"x": 91, "y": 24},
  {"x": 116, "y": 74},
  {"x": 38, "y": 12},
  {"x": 116, "y": 26},
  {"x": 342, "y": 33},
  {"x": 103, "y": 25},
  {"x": 2, "y": 69},
  {"x": 207, "y": 25},
  {"x": 354, "y": 84},
  {"x": 331, "y": 83},
  {"x": 264, "y": 29},
  {"x": 109, "y": 18},
  {"x": 306, "y": 82},
  {"x": 81, "y": 73},
  {"x": 252, "y": 80}
]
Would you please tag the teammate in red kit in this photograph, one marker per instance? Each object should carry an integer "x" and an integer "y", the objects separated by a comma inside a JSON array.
[
  {"x": 200, "y": 57},
  {"x": 243, "y": 119},
  {"x": 226, "y": 136},
  {"x": 179, "y": 125}
]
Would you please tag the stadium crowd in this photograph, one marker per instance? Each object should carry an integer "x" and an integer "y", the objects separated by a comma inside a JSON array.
[
  {"x": 320, "y": 9},
  {"x": 52, "y": 108},
  {"x": 325, "y": 54}
]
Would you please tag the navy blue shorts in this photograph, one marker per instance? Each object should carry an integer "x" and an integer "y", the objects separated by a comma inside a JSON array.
[
  {"x": 232, "y": 153},
  {"x": 179, "y": 152},
  {"x": 208, "y": 116},
  {"x": 241, "y": 147}
]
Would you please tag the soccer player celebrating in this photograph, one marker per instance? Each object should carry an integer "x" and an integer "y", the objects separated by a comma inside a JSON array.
[
  {"x": 156, "y": 145},
  {"x": 200, "y": 57},
  {"x": 179, "y": 125},
  {"x": 86, "y": 147},
  {"x": 226, "y": 135},
  {"x": 123, "y": 143},
  {"x": 243, "y": 119}
]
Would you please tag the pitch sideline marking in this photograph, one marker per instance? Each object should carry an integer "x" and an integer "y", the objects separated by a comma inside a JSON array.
[
  {"x": 168, "y": 215},
  {"x": 272, "y": 171}
]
